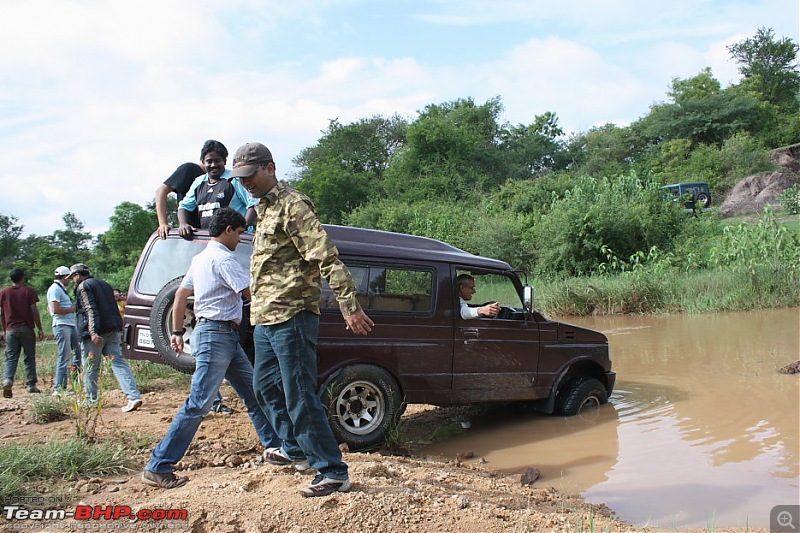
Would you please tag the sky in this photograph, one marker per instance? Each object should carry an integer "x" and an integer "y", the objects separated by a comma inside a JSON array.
[{"x": 100, "y": 100}]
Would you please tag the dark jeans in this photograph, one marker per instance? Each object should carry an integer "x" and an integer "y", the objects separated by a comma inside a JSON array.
[
  {"x": 285, "y": 383},
  {"x": 17, "y": 340}
]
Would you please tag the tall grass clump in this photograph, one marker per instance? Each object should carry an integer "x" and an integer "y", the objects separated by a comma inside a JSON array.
[{"x": 65, "y": 460}]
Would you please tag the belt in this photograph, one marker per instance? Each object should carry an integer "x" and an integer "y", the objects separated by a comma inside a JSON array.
[{"x": 230, "y": 323}]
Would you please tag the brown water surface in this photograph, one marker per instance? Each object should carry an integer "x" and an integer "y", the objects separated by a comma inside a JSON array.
[{"x": 701, "y": 430}]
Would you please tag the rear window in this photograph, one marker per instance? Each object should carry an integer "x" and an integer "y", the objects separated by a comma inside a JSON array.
[{"x": 168, "y": 259}]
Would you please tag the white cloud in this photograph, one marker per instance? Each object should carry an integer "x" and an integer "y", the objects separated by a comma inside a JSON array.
[{"x": 100, "y": 101}]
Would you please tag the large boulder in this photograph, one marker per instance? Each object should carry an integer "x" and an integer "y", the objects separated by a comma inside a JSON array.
[{"x": 752, "y": 193}]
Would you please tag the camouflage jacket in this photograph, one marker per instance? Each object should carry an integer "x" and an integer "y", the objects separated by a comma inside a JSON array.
[{"x": 291, "y": 253}]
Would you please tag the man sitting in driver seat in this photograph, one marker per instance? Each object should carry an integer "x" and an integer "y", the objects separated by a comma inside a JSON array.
[{"x": 466, "y": 289}]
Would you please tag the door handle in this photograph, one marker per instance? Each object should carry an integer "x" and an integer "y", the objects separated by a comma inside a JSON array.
[{"x": 470, "y": 333}]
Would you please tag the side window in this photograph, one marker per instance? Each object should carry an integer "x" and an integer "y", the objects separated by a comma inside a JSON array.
[
  {"x": 387, "y": 289},
  {"x": 492, "y": 288}
]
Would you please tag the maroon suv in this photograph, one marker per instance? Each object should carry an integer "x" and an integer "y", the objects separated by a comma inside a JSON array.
[{"x": 420, "y": 350}]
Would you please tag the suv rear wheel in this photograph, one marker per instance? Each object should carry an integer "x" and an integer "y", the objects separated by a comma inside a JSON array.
[
  {"x": 161, "y": 326},
  {"x": 364, "y": 404}
]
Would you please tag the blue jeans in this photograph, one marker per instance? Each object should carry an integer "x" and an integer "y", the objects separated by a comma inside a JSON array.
[
  {"x": 218, "y": 356},
  {"x": 110, "y": 346},
  {"x": 285, "y": 381},
  {"x": 68, "y": 349},
  {"x": 17, "y": 340}
]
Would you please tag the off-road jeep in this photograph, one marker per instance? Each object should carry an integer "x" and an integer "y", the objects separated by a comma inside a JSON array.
[{"x": 420, "y": 350}]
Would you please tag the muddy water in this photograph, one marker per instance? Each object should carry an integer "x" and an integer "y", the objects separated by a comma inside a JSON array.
[{"x": 700, "y": 432}]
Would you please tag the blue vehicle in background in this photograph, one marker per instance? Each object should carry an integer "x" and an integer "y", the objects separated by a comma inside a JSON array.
[{"x": 690, "y": 195}]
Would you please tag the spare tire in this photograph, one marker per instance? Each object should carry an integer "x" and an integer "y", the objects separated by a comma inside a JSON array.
[{"x": 161, "y": 328}]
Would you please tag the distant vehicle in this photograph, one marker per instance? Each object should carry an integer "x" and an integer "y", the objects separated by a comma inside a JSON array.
[
  {"x": 691, "y": 195},
  {"x": 420, "y": 350}
]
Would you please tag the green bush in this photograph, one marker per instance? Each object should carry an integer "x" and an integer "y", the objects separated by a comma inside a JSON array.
[
  {"x": 790, "y": 199},
  {"x": 624, "y": 213}
]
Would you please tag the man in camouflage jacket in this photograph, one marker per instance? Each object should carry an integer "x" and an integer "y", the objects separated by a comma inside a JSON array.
[{"x": 291, "y": 254}]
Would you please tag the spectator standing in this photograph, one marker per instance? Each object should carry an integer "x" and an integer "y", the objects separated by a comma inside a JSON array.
[
  {"x": 62, "y": 310},
  {"x": 217, "y": 281},
  {"x": 18, "y": 316},
  {"x": 100, "y": 331},
  {"x": 291, "y": 253}
]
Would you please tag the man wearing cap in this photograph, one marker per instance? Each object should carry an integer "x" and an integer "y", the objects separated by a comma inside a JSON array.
[
  {"x": 63, "y": 312},
  {"x": 291, "y": 253},
  {"x": 18, "y": 315},
  {"x": 213, "y": 190},
  {"x": 100, "y": 331}
]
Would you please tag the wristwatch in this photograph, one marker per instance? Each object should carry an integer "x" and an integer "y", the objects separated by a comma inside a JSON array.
[{"x": 179, "y": 332}]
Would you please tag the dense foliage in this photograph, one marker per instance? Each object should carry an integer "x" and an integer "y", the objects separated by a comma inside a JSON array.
[{"x": 554, "y": 205}]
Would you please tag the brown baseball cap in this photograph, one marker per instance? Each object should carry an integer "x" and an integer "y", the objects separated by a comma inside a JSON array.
[{"x": 248, "y": 158}]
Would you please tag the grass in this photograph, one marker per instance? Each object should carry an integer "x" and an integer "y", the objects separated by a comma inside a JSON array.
[
  {"x": 149, "y": 376},
  {"x": 66, "y": 460}
]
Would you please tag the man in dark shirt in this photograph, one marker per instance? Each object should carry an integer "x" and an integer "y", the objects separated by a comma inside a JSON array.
[
  {"x": 100, "y": 331},
  {"x": 18, "y": 314},
  {"x": 179, "y": 182}
]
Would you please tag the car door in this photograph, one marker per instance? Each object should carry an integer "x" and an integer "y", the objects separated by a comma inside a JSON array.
[{"x": 494, "y": 359}]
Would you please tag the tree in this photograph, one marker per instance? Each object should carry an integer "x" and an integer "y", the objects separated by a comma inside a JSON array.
[
  {"x": 533, "y": 150},
  {"x": 604, "y": 151},
  {"x": 769, "y": 67},
  {"x": 131, "y": 226},
  {"x": 452, "y": 152},
  {"x": 10, "y": 233},
  {"x": 346, "y": 167},
  {"x": 72, "y": 240}
]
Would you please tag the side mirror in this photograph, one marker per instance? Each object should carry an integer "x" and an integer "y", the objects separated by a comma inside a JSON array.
[{"x": 527, "y": 297}]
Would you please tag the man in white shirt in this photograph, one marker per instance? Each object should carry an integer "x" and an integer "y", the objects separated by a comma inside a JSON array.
[
  {"x": 218, "y": 282},
  {"x": 466, "y": 289},
  {"x": 65, "y": 331}
]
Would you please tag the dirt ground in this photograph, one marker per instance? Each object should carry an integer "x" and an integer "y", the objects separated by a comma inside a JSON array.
[{"x": 232, "y": 490}]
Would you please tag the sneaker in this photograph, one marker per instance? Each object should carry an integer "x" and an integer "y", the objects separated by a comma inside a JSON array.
[
  {"x": 132, "y": 405},
  {"x": 322, "y": 486},
  {"x": 222, "y": 409},
  {"x": 33, "y": 390},
  {"x": 62, "y": 392},
  {"x": 275, "y": 456},
  {"x": 167, "y": 480},
  {"x": 7, "y": 391}
]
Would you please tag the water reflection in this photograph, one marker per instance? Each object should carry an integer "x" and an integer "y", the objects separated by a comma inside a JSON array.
[{"x": 700, "y": 431}]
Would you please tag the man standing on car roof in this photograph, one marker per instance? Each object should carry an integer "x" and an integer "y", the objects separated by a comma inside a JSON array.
[
  {"x": 217, "y": 281},
  {"x": 291, "y": 253},
  {"x": 213, "y": 190}
]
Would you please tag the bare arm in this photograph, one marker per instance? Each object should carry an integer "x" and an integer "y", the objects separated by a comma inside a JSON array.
[
  {"x": 185, "y": 228},
  {"x": 178, "y": 316},
  {"x": 250, "y": 217},
  {"x": 38, "y": 320},
  {"x": 58, "y": 310},
  {"x": 161, "y": 209}
]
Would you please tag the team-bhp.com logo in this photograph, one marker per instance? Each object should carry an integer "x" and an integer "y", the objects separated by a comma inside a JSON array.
[{"x": 94, "y": 512}]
